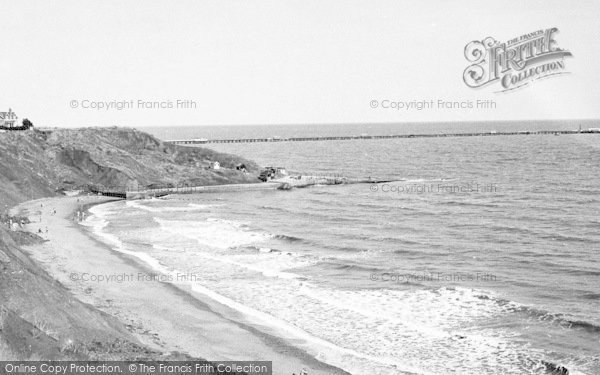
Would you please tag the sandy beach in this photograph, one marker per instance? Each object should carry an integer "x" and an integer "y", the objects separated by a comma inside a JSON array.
[{"x": 159, "y": 314}]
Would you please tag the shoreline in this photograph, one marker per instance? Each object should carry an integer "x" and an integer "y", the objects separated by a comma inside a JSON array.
[{"x": 177, "y": 320}]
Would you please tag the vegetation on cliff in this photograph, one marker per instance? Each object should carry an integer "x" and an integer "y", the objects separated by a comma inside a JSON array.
[
  {"x": 39, "y": 318},
  {"x": 35, "y": 164}
]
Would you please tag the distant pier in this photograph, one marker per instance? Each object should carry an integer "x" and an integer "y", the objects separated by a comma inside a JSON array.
[{"x": 360, "y": 137}]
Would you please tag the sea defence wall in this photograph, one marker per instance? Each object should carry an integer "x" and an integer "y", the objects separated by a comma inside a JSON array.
[
  {"x": 284, "y": 183},
  {"x": 358, "y": 137},
  {"x": 160, "y": 192}
]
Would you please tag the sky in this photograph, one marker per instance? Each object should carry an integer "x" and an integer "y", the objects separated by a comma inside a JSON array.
[{"x": 281, "y": 62}]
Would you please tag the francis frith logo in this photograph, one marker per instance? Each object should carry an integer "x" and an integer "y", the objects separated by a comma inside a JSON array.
[{"x": 515, "y": 63}]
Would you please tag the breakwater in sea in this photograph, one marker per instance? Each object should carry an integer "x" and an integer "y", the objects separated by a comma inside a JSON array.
[
  {"x": 359, "y": 137},
  {"x": 285, "y": 183}
]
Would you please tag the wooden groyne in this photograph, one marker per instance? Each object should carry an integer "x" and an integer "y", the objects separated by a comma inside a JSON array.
[
  {"x": 160, "y": 192},
  {"x": 123, "y": 192},
  {"x": 360, "y": 137},
  {"x": 110, "y": 192}
]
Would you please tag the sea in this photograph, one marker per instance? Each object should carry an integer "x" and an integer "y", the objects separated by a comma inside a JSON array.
[{"x": 472, "y": 255}]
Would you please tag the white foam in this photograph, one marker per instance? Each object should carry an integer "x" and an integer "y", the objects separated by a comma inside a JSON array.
[
  {"x": 167, "y": 249},
  {"x": 357, "y": 303},
  {"x": 362, "y": 331},
  {"x": 216, "y": 233},
  {"x": 269, "y": 272},
  {"x": 323, "y": 349},
  {"x": 98, "y": 222},
  {"x": 189, "y": 207},
  {"x": 226, "y": 234}
]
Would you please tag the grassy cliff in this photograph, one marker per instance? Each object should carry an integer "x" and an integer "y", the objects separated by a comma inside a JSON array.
[{"x": 36, "y": 164}]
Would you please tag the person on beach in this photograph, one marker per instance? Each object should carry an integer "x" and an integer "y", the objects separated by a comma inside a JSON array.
[{"x": 54, "y": 212}]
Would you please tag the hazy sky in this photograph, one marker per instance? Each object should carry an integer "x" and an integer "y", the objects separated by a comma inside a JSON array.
[{"x": 263, "y": 62}]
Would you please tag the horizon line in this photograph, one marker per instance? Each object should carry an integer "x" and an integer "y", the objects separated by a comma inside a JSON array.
[{"x": 325, "y": 123}]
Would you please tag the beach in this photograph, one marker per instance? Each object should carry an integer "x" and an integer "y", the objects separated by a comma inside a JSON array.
[{"x": 160, "y": 315}]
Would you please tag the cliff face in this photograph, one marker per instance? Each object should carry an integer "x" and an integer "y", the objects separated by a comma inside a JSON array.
[
  {"x": 35, "y": 164},
  {"x": 33, "y": 308}
]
